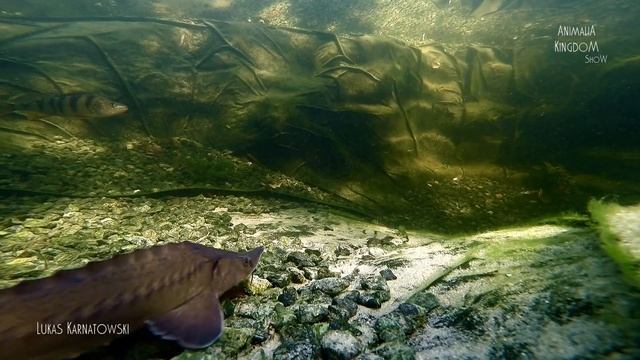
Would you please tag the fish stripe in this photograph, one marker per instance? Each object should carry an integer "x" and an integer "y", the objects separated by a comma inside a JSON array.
[
  {"x": 39, "y": 105},
  {"x": 67, "y": 105},
  {"x": 74, "y": 102},
  {"x": 51, "y": 105},
  {"x": 60, "y": 105},
  {"x": 88, "y": 101}
]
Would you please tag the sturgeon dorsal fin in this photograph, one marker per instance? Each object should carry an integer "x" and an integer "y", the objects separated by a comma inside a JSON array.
[{"x": 194, "y": 325}]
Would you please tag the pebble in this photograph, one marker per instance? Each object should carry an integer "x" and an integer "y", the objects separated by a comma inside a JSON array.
[
  {"x": 342, "y": 250},
  {"x": 426, "y": 300},
  {"x": 289, "y": 296},
  {"x": 340, "y": 345},
  {"x": 330, "y": 286},
  {"x": 324, "y": 272},
  {"x": 392, "y": 327},
  {"x": 370, "y": 356},
  {"x": 281, "y": 279},
  {"x": 300, "y": 259},
  {"x": 302, "y": 350},
  {"x": 311, "y": 313},
  {"x": 375, "y": 282},
  {"x": 395, "y": 350},
  {"x": 296, "y": 275},
  {"x": 342, "y": 309},
  {"x": 387, "y": 274}
]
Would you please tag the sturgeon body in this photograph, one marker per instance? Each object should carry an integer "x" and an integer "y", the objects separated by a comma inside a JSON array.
[{"x": 173, "y": 288}]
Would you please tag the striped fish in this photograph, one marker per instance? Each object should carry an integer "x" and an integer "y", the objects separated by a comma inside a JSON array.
[{"x": 74, "y": 105}]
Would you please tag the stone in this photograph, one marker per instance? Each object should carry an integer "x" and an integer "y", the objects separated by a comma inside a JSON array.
[
  {"x": 413, "y": 314},
  {"x": 426, "y": 300},
  {"x": 283, "y": 316},
  {"x": 258, "y": 285},
  {"x": 324, "y": 272},
  {"x": 300, "y": 259},
  {"x": 296, "y": 275},
  {"x": 342, "y": 250},
  {"x": 340, "y": 345},
  {"x": 311, "y": 313},
  {"x": 370, "y": 356},
  {"x": 289, "y": 296},
  {"x": 375, "y": 282},
  {"x": 279, "y": 279},
  {"x": 330, "y": 286},
  {"x": 395, "y": 351},
  {"x": 392, "y": 327},
  {"x": 387, "y": 274},
  {"x": 342, "y": 309},
  {"x": 373, "y": 299},
  {"x": 302, "y": 350}
]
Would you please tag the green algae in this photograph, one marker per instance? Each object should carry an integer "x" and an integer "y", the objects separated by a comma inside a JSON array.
[{"x": 611, "y": 242}]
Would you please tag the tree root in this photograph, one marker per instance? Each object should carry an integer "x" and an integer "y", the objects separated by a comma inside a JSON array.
[
  {"x": 21, "y": 20},
  {"x": 56, "y": 126},
  {"x": 33, "y": 33},
  {"x": 239, "y": 52},
  {"x": 36, "y": 70},
  {"x": 406, "y": 118},
  {"x": 348, "y": 68},
  {"x": 123, "y": 82}
]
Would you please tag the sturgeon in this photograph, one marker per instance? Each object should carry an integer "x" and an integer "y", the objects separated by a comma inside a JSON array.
[{"x": 172, "y": 288}]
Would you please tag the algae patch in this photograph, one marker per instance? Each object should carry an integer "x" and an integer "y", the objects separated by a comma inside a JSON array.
[{"x": 619, "y": 229}]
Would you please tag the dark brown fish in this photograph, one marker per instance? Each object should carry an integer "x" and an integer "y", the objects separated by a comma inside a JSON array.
[
  {"x": 73, "y": 105},
  {"x": 173, "y": 288}
]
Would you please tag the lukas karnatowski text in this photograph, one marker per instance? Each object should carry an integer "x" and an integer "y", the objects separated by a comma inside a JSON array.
[{"x": 71, "y": 328}]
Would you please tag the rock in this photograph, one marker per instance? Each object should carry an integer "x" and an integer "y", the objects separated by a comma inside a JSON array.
[
  {"x": 300, "y": 259},
  {"x": 413, "y": 314},
  {"x": 283, "y": 316},
  {"x": 313, "y": 252},
  {"x": 383, "y": 242},
  {"x": 228, "y": 308},
  {"x": 295, "y": 351},
  {"x": 370, "y": 356},
  {"x": 309, "y": 274},
  {"x": 387, "y": 274},
  {"x": 253, "y": 310},
  {"x": 324, "y": 272},
  {"x": 342, "y": 309},
  {"x": 311, "y": 313},
  {"x": 38, "y": 223},
  {"x": 395, "y": 351},
  {"x": 280, "y": 279},
  {"x": 258, "y": 285},
  {"x": 340, "y": 345},
  {"x": 235, "y": 339},
  {"x": 342, "y": 250},
  {"x": 375, "y": 282},
  {"x": 289, "y": 296},
  {"x": 426, "y": 300},
  {"x": 365, "y": 334},
  {"x": 352, "y": 295},
  {"x": 330, "y": 286},
  {"x": 296, "y": 275},
  {"x": 373, "y": 299},
  {"x": 392, "y": 327}
]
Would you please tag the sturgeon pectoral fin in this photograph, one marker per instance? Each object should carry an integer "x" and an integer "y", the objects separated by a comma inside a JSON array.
[{"x": 195, "y": 324}]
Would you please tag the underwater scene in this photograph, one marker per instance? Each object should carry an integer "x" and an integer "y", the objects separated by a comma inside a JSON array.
[{"x": 319, "y": 179}]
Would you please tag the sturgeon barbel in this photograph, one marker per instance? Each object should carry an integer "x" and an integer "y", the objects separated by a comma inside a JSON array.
[
  {"x": 73, "y": 105},
  {"x": 173, "y": 288}
]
